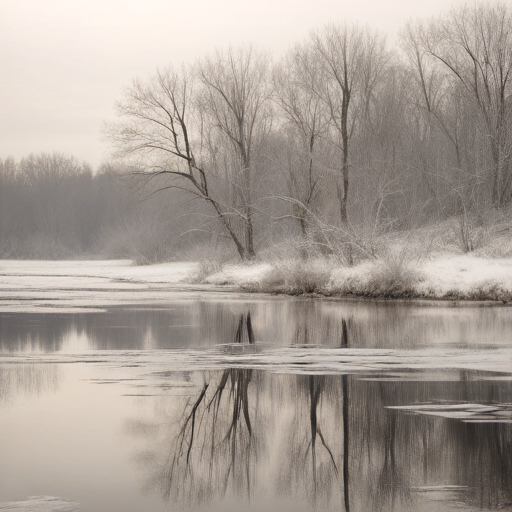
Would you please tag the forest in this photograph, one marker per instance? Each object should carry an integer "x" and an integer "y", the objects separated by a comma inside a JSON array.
[{"x": 337, "y": 148}]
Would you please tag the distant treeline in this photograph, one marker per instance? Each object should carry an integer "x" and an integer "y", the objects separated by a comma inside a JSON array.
[{"x": 53, "y": 207}]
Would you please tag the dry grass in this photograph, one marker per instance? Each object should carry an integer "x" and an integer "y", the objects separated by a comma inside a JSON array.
[
  {"x": 393, "y": 281},
  {"x": 205, "y": 269},
  {"x": 488, "y": 291},
  {"x": 211, "y": 258},
  {"x": 295, "y": 277},
  {"x": 380, "y": 280}
]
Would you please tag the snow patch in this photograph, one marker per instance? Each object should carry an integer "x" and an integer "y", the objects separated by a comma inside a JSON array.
[
  {"x": 41, "y": 504},
  {"x": 468, "y": 413},
  {"x": 240, "y": 275},
  {"x": 125, "y": 270}
]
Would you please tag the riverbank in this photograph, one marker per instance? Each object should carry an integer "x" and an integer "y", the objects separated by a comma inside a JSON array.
[
  {"x": 444, "y": 277},
  {"x": 87, "y": 285}
]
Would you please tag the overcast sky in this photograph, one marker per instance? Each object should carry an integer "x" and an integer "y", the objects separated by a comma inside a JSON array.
[{"x": 64, "y": 62}]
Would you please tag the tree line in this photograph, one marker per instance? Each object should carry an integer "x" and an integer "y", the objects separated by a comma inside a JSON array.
[
  {"x": 52, "y": 206},
  {"x": 340, "y": 142}
]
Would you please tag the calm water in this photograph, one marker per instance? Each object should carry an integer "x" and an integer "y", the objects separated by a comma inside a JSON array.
[{"x": 224, "y": 405}]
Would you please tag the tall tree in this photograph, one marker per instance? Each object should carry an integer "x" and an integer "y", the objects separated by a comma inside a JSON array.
[
  {"x": 353, "y": 60},
  {"x": 473, "y": 44},
  {"x": 296, "y": 79},
  {"x": 235, "y": 107},
  {"x": 157, "y": 133}
]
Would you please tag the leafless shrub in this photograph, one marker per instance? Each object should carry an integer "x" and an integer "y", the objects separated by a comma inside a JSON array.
[
  {"x": 210, "y": 257},
  {"x": 496, "y": 235},
  {"x": 469, "y": 232},
  {"x": 206, "y": 268},
  {"x": 394, "y": 279},
  {"x": 295, "y": 277},
  {"x": 144, "y": 242},
  {"x": 291, "y": 248},
  {"x": 490, "y": 291}
]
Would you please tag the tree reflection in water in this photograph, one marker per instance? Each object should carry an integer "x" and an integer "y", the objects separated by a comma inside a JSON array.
[
  {"x": 212, "y": 455},
  {"x": 216, "y": 452},
  {"x": 327, "y": 441},
  {"x": 213, "y": 449}
]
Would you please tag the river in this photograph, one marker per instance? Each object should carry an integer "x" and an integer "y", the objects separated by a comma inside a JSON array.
[{"x": 257, "y": 404}]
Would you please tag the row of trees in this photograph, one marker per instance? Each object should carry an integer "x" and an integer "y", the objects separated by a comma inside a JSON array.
[
  {"x": 52, "y": 206},
  {"x": 344, "y": 136}
]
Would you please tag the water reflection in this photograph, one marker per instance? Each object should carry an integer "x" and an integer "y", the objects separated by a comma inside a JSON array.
[
  {"x": 26, "y": 380},
  {"x": 327, "y": 442},
  {"x": 276, "y": 321}
]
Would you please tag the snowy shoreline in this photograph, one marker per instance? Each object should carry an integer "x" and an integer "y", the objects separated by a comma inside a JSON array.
[
  {"x": 48, "y": 285},
  {"x": 444, "y": 278}
]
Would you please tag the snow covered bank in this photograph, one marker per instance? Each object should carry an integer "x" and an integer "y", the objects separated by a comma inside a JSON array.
[
  {"x": 463, "y": 277},
  {"x": 41, "y": 504},
  {"x": 92, "y": 285},
  {"x": 45, "y": 272}
]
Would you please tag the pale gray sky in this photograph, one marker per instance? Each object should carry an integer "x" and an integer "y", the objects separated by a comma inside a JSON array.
[{"x": 64, "y": 62}]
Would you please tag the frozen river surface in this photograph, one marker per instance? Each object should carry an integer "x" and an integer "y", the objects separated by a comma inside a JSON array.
[{"x": 122, "y": 392}]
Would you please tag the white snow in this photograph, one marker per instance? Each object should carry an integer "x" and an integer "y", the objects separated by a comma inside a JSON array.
[
  {"x": 455, "y": 274},
  {"x": 465, "y": 273},
  {"x": 240, "y": 275},
  {"x": 43, "y": 286},
  {"x": 458, "y": 275},
  {"x": 41, "y": 504},
  {"x": 124, "y": 270}
]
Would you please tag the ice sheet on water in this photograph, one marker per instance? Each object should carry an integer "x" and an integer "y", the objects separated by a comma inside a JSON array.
[
  {"x": 286, "y": 359},
  {"x": 468, "y": 413},
  {"x": 444, "y": 493},
  {"x": 41, "y": 504}
]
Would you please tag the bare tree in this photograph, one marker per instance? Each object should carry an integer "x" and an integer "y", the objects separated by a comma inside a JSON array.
[
  {"x": 353, "y": 60},
  {"x": 296, "y": 80},
  {"x": 234, "y": 103},
  {"x": 435, "y": 86},
  {"x": 473, "y": 46},
  {"x": 157, "y": 134}
]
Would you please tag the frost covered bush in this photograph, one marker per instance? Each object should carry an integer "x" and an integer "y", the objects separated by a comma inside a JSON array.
[
  {"x": 205, "y": 269},
  {"x": 211, "y": 258},
  {"x": 295, "y": 277},
  {"x": 498, "y": 248},
  {"x": 497, "y": 235},
  {"x": 393, "y": 274},
  {"x": 393, "y": 282},
  {"x": 377, "y": 281},
  {"x": 153, "y": 253}
]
